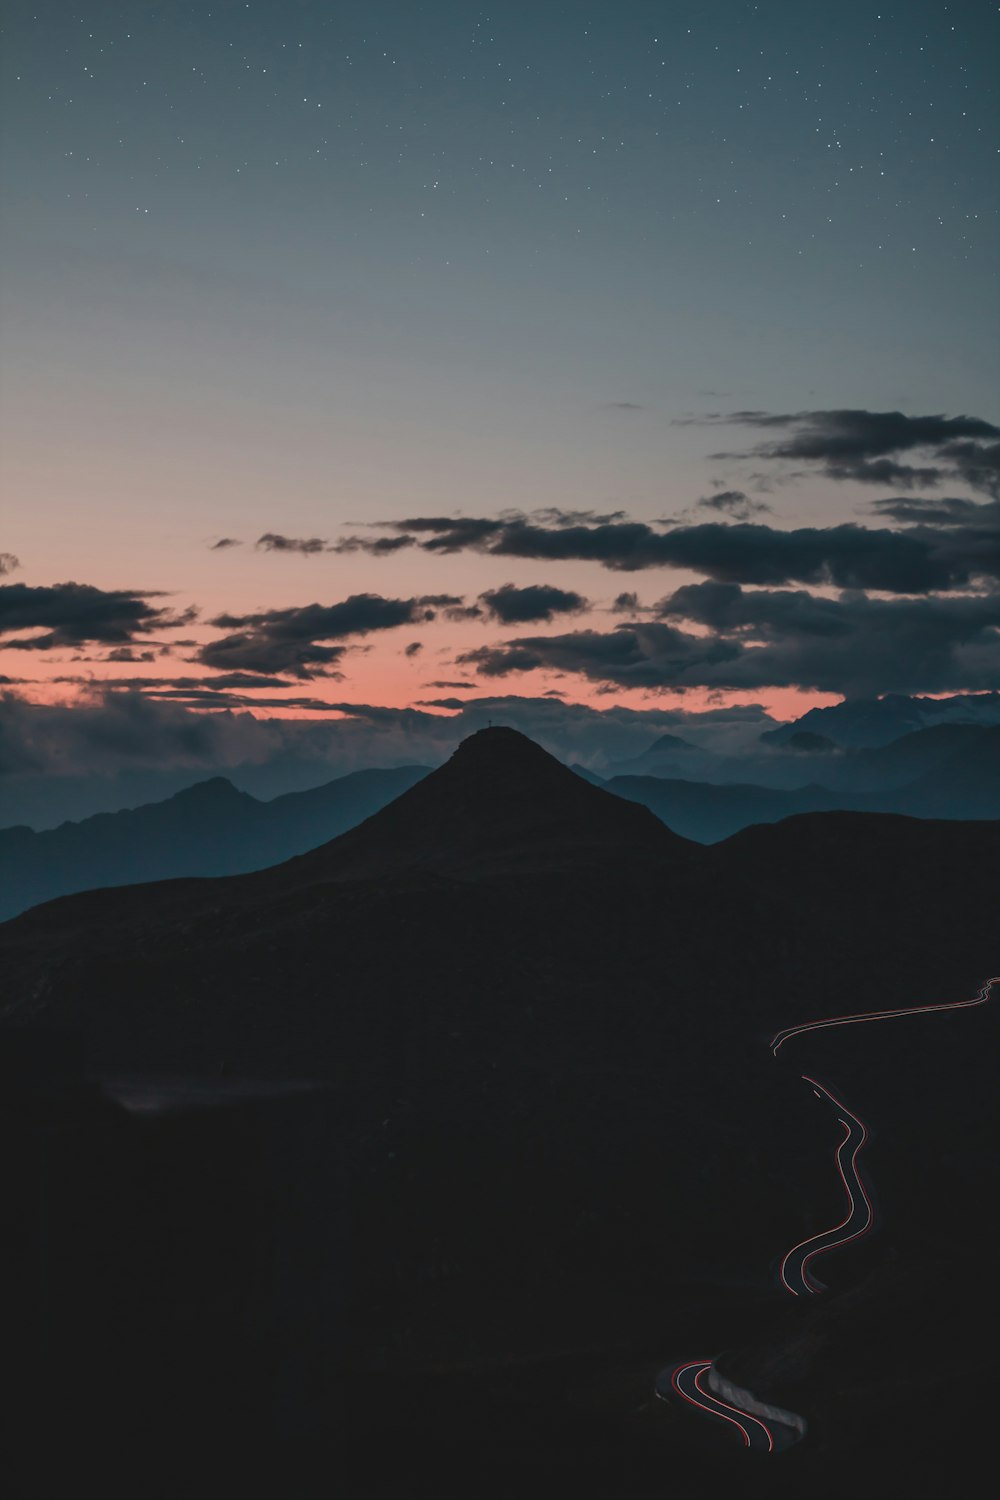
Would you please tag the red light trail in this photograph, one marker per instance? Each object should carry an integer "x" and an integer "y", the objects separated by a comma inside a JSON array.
[
  {"x": 781, "y": 1037},
  {"x": 690, "y": 1374},
  {"x": 860, "y": 1205},
  {"x": 795, "y": 1276}
]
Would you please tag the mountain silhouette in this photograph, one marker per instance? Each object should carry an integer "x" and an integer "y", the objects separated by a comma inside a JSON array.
[
  {"x": 542, "y": 1018},
  {"x": 210, "y": 828},
  {"x": 948, "y": 771},
  {"x": 500, "y": 804},
  {"x": 505, "y": 852},
  {"x": 864, "y": 723},
  {"x": 660, "y": 752},
  {"x": 808, "y": 743}
]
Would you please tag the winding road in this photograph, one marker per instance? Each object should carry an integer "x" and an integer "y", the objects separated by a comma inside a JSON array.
[
  {"x": 781, "y": 1037},
  {"x": 687, "y": 1380},
  {"x": 793, "y": 1272}
]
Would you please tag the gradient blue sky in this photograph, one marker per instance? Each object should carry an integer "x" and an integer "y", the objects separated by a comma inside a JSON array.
[{"x": 301, "y": 267}]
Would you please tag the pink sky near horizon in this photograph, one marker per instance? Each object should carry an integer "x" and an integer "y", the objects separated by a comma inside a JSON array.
[{"x": 375, "y": 668}]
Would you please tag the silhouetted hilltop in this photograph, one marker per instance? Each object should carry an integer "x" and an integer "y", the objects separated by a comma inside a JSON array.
[
  {"x": 212, "y": 829},
  {"x": 499, "y": 804}
]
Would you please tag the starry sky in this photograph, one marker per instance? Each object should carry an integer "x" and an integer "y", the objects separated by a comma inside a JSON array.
[{"x": 637, "y": 354}]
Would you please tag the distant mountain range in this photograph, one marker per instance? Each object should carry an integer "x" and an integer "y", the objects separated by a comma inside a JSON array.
[
  {"x": 207, "y": 829},
  {"x": 866, "y": 722},
  {"x": 210, "y": 829},
  {"x": 951, "y": 771}
]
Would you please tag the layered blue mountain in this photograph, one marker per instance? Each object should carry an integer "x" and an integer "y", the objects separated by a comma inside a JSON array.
[
  {"x": 865, "y": 722},
  {"x": 208, "y": 829},
  {"x": 947, "y": 771}
]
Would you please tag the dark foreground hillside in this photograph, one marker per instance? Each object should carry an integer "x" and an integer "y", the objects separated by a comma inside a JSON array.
[{"x": 553, "y": 1148}]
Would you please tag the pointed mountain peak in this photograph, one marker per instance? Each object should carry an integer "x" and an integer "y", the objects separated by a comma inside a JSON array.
[
  {"x": 669, "y": 742},
  {"x": 505, "y": 755},
  {"x": 500, "y": 804}
]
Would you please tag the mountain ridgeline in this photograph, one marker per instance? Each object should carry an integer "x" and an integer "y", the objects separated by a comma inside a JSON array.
[
  {"x": 211, "y": 829},
  {"x": 542, "y": 1017},
  {"x": 499, "y": 867}
]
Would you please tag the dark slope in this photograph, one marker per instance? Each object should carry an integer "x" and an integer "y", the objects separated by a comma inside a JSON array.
[
  {"x": 544, "y": 1018},
  {"x": 500, "y": 804},
  {"x": 503, "y": 1014},
  {"x": 207, "y": 829},
  {"x": 389, "y": 908},
  {"x": 501, "y": 865}
]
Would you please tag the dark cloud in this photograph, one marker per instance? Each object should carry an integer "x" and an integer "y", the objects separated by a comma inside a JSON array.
[
  {"x": 126, "y": 653},
  {"x": 451, "y": 703},
  {"x": 217, "y": 682},
  {"x": 626, "y": 604},
  {"x": 978, "y": 464},
  {"x": 965, "y": 531},
  {"x": 72, "y": 614},
  {"x": 639, "y": 656},
  {"x": 874, "y": 447},
  {"x": 241, "y": 680},
  {"x": 289, "y": 641},
  {"x": 558, "y": 515},
  {"x": 63, "y": 761},
  {"x": 413, "y": 649},
  {"x": 734, "y": 503},
  {"x": 461, "y": 612},
  {"x": 8, "y": 562},
  {"x": 380, "y": 546},
  {"x": 485, "y": 533},
  {"x": 854, "y": 645},
  {"x": 519, "y": 606},
  {"x": 203, "y": 697},
  {"x": 225, "y": 541},
  {"x": 761, "y": 614},
  {"x": 273, "y": 541},
  {"x": 846, "y": 556},
  {"x": 114, "y": 729},
  {"x": 949, "y": 510},
  {"x": 449, "y": 533}
]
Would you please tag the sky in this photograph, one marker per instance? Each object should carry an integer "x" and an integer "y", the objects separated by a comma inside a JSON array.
[{"x": 642, "y": 356}]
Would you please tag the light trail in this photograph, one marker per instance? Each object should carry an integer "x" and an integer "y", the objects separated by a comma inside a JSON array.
[
  {"x": 685, "y": 1381},
  {"x": 794, "y": 1273},
  {"x": 781, "y": 1037},
  {"x": 860, "y": 1205},
  {"x": 791, "y": 1271}
]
